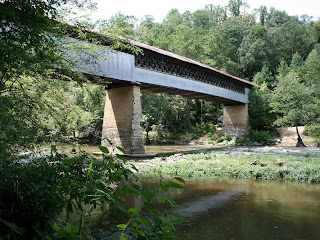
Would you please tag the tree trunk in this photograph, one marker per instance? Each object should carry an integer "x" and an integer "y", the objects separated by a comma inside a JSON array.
[
  {"x": 148, "y": 129},
  {"x": 147, "y": 137},
  {"x": 218, "y": 112},
  {"x": 300, "y": 142},
  {"x": 188, "y": 115},
  {"x": 201, "y": 110}
]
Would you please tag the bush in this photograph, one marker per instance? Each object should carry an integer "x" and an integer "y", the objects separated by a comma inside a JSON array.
[
  {"x": 205, "y": 128},
  {"x": 240, "y": 140},
  {"x": 262, "y": 137},
  {"x": 314, "y": 131},
  {"x": 223, "y": 137},
  {"x": 34, "y": 193}
]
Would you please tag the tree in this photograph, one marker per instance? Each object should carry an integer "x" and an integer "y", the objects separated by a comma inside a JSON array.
[
  {"x": 223, "y": 42},
  {"x": 254, "y": 51},
  {"x": 234, "y": 7},
  {"x": 292, "y": 101},
  {"x": 311, "y": 76},
  {"x": 260, "y": 111},
  {"x": 30, "y": 53},
  {"x": 29, "y": 29},
  {"x": 119, "y": 25},
  {"x": 264, "y": 77}
]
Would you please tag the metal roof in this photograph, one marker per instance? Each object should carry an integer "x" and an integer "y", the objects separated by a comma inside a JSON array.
[
  {"x": 185, "y": 59},
  {"x": 173, "y": 55}
]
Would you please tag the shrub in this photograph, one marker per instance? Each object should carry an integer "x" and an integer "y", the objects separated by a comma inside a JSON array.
[
  {"x": 314, "y": 131},
  {"x": 240, "y": 140},
  {"x": 223, "y": 137},
  {"x": 205, "y": 128},
  {"x": 262, "y": 137},
  {"x": 34, "y": 193}
]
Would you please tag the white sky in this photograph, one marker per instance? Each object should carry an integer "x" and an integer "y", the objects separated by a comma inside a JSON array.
[{"x": 159, "y": 9}]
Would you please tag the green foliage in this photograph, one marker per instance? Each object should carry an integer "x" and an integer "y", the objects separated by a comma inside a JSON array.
[
  {"x": 29, "y": 33},
  {"x": 240, "y": 140},
  {"x": 264, "y": 77},
  {"x": 35, "y": 192},
  {"x": 299, "y": 168},
  {"x": 48, "y": 109},
  {"x": 311, "y": 69},
  {"x": 292, "y": 97},
  {"x": 261, "y": 116},
  {"x": 262, "y": 137},
  {"x": 223, "y": 137},
  {"x": 165, "y": 117},
  {"x": 119, "y": 25},
  {"x": 313, "y": 130}
]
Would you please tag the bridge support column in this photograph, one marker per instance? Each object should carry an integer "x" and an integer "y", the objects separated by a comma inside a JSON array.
[
  {"x": 121, "y": 121},
  {"x": 236, "y": 120}
]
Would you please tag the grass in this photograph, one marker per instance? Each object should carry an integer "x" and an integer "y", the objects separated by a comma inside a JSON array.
[{"x": 300, "y": 168}]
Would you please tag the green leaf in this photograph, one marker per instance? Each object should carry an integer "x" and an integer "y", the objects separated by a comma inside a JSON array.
[
  {"x": 174, "y": 184},
  {"x": 121, "y": 226},
  {"x": 175, "y": 214},
  {"x": 148, "y": 194},
  {"x": 90, "y": 167},
  {"x": 179, "y": 179},
  {"x": 135, "y": 168},
  {"x": 165, "y": 188},
  {"x": 120, "y": 157},
  {"x": 149, "y": 206},
  {"x": 121, "y": 149},
  {"x": 133, "y": 212},
  {"x": 136, "y": 186},
  {"x": 56, "y": 227},
  {"x": 145, "y": 222},
  {"x": 104, "y": 149},
  {"x": 122, "y": 237},
  {"x": 137, "y": 231},
  {"x": 54, "y": 148}
]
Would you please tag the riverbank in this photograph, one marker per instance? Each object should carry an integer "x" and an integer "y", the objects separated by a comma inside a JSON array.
[{"x": 246, "y": 164}]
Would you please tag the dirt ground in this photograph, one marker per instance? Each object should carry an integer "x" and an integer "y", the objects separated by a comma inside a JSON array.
[{"x": 289, "y": 137}]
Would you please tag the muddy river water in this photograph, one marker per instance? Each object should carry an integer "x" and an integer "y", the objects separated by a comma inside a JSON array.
[{"x": 246, "y": 209}]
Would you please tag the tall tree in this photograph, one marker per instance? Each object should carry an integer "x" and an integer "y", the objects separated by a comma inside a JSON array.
[
  {"x": 234, "y": 7},
  {"x": 292, "y": 100},
  {"x": 254, "y": 51}
]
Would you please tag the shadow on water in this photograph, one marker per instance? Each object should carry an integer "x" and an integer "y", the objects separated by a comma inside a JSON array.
[{"x": 240, "y": 209}]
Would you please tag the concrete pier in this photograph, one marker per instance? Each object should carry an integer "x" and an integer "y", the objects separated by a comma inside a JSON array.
[
  {"x": 236, "y": 120},
  {"x": 121, "y": 121}
]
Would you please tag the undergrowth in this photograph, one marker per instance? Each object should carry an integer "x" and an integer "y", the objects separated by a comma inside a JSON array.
[{"x": 300, "y": 168}]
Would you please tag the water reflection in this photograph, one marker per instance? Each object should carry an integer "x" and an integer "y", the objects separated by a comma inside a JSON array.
[
  {"x": 240, "y": 209},
  {"x": 66, "y": 148}
]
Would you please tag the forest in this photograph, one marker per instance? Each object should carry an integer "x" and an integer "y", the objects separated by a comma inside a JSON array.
[
  {"x": 42, "y": 105},
  {"x": 268, "y": 47}
]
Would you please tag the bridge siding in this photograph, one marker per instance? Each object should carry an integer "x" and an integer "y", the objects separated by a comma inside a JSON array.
[{"x": 121, "y": 66}]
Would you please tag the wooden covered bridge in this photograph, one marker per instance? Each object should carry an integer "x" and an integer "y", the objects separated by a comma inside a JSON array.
[{"x": 125, "y": 74}]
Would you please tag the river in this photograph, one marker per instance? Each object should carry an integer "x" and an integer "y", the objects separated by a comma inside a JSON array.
[
  {"x": 242, "y": 209},
  {"x": 247, "y": 209}
]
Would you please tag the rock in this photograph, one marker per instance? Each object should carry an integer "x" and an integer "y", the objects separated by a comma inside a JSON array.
[
  {"x": 178, "y": 154},
  {"x": 279, "y": 163},
  {"x": 263, "y": 164}
]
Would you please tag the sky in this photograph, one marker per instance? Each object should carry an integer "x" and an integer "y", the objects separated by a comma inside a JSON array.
[{"x": 159, "y": 9}]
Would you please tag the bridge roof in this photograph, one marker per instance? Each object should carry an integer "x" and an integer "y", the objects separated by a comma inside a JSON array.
[
  {"x": 169, "y": 54},
  {"x": 188, "y": 60}
]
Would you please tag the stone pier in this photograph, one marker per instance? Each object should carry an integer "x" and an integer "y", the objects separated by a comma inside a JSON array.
[
  {"x": 236, "y": 120},
  {"x": 121, "y": 121}
]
